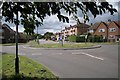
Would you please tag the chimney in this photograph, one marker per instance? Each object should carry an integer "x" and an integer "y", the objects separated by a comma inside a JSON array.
[
  {"x": 91, "y": 24},
  {"x": 109, "y": 20}
]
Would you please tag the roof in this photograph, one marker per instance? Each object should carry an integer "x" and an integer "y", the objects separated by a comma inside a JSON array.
[
  {"x": 81, "y": 25},
  {"x": 117, "y": 23},
  {"x": 94, "y": 26},
  {"x": 5, "y": 25},
  {"x": 8, "y": 27}
]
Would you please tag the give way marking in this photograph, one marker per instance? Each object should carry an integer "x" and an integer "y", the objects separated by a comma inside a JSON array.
[{"x": 90, "y": 56}]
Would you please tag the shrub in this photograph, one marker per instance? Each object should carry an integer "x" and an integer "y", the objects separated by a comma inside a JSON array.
[
  {"x": 90, "y": 38},
  {"x": 80, "y": 39},
  {"x": 76, "y": 38},
  {"x": 95, "y": 38},
  {"x": 72, "y": 38}
]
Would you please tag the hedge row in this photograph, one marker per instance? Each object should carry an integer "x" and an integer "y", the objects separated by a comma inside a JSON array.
[
  {"x": 89, "y": 39},
  {"x": 76, "y": 38}
]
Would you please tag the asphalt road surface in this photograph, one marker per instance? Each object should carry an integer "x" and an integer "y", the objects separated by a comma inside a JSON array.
[{"x": 84, "y": 63}]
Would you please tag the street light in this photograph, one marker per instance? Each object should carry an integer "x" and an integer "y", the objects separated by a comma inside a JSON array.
[{"x": 16, "y": 57}]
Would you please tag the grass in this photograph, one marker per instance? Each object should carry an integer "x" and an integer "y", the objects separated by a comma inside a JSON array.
[
  {"x": 109, "y": 43},
  {"x": 57, "y": 45},
  {"x": 29, "y": 69},
  {"x": 0, "y": 65},
  {"x": 11, "y": 44}
]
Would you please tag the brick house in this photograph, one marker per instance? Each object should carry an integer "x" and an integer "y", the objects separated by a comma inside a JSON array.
[
  {"x": 114, "y": 31},
  {"x": 77, "y": 29},
  {"x": 6, "y": 34},
  {"x": 100, "y": 29},
  {"x": 109, "y": 30},
  {"x": 57, "y": 35}
]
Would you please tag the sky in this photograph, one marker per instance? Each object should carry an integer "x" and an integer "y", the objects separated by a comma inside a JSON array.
[{"x": 52, "y": 24}]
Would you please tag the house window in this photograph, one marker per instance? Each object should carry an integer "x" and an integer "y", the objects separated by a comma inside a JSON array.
[
  {"x": 111, "y": 37},
  {"x": 1, "y": 37},
  {"x": 112, "y": 29},
  {"x": 101, "y": 30},
  {"x": 1, "y": 30},
  {"x": 91, "y": 31}
]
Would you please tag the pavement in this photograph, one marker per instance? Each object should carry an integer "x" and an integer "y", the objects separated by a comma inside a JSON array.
[{"x": 84, "y": 63}]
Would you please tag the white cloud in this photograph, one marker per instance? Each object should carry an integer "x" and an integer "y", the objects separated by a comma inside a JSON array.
[{"x": 113, "y": 0}]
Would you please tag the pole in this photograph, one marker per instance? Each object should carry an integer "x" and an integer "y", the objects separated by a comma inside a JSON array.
[
  {"x": 62, "y": 36},
  {"x": 17, "y": 58},
  {"x": 37, "y": 36}
]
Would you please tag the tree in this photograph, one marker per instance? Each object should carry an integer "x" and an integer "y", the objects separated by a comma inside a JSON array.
[
  {"x": 11, "y": 10},
  {"x": 48, "y": 35}
]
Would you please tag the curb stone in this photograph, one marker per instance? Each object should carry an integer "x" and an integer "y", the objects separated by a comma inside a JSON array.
[{"x": 93, "y": 47}]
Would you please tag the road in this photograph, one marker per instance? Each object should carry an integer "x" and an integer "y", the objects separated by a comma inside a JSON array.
[{"x": 84, "y": 63}]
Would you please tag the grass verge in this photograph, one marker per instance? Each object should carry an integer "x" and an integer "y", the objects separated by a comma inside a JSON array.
[
  {"x": 11, "y": 44},
  {"x": 58, "y": 45},
  {"x": 29, "y": 69}
]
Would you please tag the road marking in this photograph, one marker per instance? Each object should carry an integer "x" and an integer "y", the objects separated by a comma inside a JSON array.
[
  {"x": 37, "y": 54},
  {"x": 76, "y": 53},
  {"x": 57, "y": 53},
  {"x": 29, "y": 47},
  {"x": 92, "y": 56},
  {"x": 22, "y": 54},
  {"x": 89, "y": 55}
]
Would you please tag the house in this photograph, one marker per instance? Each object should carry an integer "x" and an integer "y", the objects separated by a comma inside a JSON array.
[
  {"x": 100, "y": 29},
  {"x": 108, "y": 30},
  {"x": 57, "y": 35},
  {"x": 77, "y": 29},
  {"x": 114, "y": 31},
  {"x": 6, "y": 34}
]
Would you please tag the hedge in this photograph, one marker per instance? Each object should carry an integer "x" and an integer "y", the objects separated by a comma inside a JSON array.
[
  {"x": 76, "y": 38},
  {"x": 72, "y": 38},
  {"x": 90, "y": 38},
  {"x": 80, "y": 38}
]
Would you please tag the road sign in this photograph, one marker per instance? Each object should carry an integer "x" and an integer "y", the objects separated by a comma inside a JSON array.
[{"x": 60, "y": 37}]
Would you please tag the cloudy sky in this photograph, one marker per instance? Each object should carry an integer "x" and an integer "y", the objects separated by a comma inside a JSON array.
[{"x": 52, "y": 24}]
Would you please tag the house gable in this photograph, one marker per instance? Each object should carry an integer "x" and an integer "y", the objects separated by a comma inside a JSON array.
[
  {"x": 101, "y": 29},
  {"x": 113, "y": 29}
]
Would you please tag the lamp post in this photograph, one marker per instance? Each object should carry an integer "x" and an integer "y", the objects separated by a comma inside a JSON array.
[{"x": 16, "y": 57}]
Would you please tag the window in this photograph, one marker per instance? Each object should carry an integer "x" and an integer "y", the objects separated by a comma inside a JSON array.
[
  {"x": 91, "y": 31},
  {"x": 1, "y": 30},
  {"x": 112, "y": 29},
  {"x": 1, "y": 37},
  {"x": 111, "y": 37},
  {"x": 101, "y": 30}
]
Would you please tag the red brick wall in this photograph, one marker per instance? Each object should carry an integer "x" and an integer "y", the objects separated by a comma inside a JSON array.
[
  {"x": 101, "y": 26},
  {"x": 117, "y": 31}
]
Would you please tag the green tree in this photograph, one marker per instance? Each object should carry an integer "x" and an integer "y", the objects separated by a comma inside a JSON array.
[{"x": 48, "y": 35}]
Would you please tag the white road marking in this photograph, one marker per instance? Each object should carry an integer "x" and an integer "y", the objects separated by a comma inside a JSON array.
[
  {"x": 29, "y": 47},
  {"x": 11, "y": 46},
  {"x": 90, "y": 56},
  {"x": 37, "y": 54},
  {"x": 76, "y": 53},
  {"x": 57, "y": 53},
  {"x": 21, "y": 54}
]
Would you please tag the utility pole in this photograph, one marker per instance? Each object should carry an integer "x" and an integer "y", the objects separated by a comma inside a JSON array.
[{"x": 16, "y": 57}]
